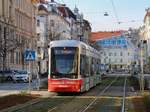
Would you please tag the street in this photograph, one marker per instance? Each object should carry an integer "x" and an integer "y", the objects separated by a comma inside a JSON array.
[{"x": 104, "y": 97}]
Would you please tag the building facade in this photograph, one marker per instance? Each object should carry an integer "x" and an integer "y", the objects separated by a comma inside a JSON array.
[
  {"x": 56, "y": 21},
  {"x": 51, "y": 25},
  {"x": 117, "y": 52},
  {"x": 145, "y": 30},
  {"x": 17, "y": 22}
]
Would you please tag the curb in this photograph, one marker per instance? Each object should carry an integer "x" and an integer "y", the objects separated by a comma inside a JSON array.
[
  {"x": 31, "y": 102},
  {"x": 20, "y": 106}
]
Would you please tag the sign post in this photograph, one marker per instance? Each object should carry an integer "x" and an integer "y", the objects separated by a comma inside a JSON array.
[{"x": 29, "y": 55}]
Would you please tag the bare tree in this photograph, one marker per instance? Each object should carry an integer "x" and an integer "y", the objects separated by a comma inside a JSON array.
[
  {"x": 8, "y": 42},
  {"x": 53, "y": 35}
]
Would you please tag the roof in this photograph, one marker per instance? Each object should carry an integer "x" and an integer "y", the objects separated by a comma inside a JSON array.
[
  {"x": 87, "y": 24},
  {"x": 66, "y": 12},
  {"x": 147, "y": 15},
  {"x": 63, "y": 11},
  {"x": 42, "y": 7},
  {"x": 103, "y": 34}
]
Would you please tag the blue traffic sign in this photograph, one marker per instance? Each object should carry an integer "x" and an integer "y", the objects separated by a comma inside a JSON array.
[{"x": 29, "y": 55}]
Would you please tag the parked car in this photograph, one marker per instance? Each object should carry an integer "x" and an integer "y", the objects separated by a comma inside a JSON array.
[
  {"x": 22, "y": 75},
  {"x": 103, "y": 72},
  {"x": 7, "y": 75}
]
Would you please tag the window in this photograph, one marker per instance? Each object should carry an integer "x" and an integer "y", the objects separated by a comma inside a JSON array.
[
  {"x": 38, "y": 22},
  {"x": 128, "y": 53},
  {"x": 104, "y": 60},
  {"x": 52, "y": 23},
  {"x": 5, "y": 32},
  {"x": 64, "y": 62},
  {"x": 0, "y": 34},
  {"x": 115, "y": 54},
  {"x": 123, "y": 42},
  {"x": 12, "y": 57},
  {"x": 84, "y": 65},
  {"x": 104, "y": 54},
  {"x": 17, "y": 58},
  {"x": 121, "y": 54},
  {"x": 113, "y": 42},
  {"x": 110, "y": 54},
  {"x": 121, "y": 60},
  {"x": 109, "y": 60}
]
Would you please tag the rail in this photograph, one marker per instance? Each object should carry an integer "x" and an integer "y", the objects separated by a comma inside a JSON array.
[
  {"x": 124, "y": 96},
  {"x": 101, "y": 93}
]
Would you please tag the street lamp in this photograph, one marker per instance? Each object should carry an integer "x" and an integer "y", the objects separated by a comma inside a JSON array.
[{"x": 106, "y": 14}]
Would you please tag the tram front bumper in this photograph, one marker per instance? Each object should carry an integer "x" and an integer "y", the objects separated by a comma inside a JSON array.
[{"x": 64, "y": 85}]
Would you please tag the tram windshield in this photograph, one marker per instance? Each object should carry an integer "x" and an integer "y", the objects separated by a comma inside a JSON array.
[{"x": 64, "y": 62}]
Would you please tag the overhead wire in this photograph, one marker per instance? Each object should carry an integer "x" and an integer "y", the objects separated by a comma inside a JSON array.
[
  {"x": 115, "y": 11},
  {"x": 63, "y": 1}
]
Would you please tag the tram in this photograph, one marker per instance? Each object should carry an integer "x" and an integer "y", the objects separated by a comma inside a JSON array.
[{"x": 73, "y": 66}]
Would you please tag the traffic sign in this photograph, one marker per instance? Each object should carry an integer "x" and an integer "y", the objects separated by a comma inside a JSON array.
[{"x": 29, "y": 55}]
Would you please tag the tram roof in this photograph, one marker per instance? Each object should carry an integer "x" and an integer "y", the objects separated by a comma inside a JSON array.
[{"x": 70, "y": 43}]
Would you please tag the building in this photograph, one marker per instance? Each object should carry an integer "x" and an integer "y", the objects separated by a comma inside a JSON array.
[
  {"x": 83, "y": 27},
  {"x": 17, "y": 22},
  {"x": 144, "y": 40},
  {"x": 145, "y": 31},
  {"x": 56, "y": 21},
  {"x": 51, "y": 25},
  {"x": 117, "y": 51}
]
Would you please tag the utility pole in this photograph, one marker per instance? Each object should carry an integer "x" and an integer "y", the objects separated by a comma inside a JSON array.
[{"x": 141, "y": 63}]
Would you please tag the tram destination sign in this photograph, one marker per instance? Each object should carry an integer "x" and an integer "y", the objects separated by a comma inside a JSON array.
[{"x": 64, "y": 51}]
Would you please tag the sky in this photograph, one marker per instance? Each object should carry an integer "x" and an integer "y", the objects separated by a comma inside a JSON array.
[{"x": 130, "y": 13}]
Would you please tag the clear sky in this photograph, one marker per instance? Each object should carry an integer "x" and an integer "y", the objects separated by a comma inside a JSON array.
[{"x": 129, "y": 12}]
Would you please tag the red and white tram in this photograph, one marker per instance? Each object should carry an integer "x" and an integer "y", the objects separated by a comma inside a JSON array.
[{"x": 73, "y": 66}]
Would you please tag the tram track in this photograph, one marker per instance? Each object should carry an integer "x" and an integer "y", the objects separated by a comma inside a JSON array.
[
  {"x": 99, "y": 94},
  {"x": 123, "y": 108},
  {"x": 123, "y": 102},
  {"x": 85, "y": 105},
  {"x": 85, "y": 102}
]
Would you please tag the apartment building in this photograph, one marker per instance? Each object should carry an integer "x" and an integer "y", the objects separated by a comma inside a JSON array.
[{"x": 17, "y": 22}]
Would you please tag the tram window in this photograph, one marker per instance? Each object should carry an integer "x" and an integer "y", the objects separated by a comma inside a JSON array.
[
  {"x": 97, "y": 66},
  {"x": 92, "y": 66},
  {"x": 84, "y": 65},
  {"x": 64, "y": 62},
  {"x": 87, "y": 65}
]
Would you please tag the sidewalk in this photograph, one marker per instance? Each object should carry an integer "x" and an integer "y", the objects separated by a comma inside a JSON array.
[
  {"x": 42, "y": 93},
  {"x": 6, "y": 92}
]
